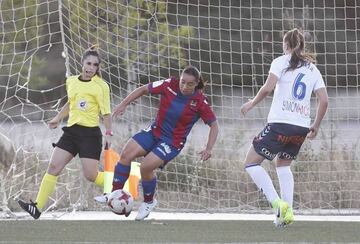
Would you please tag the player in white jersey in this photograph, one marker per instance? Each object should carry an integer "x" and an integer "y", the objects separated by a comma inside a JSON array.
[{"x": 294, "y": 78}]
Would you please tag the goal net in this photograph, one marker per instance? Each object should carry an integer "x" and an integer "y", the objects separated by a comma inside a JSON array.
[{"x": 231, "y": 42}]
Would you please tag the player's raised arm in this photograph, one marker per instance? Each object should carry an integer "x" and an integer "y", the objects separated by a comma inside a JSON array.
[
  {"x": 265, "y": 90},
  {"x": 135, "y": 94}
]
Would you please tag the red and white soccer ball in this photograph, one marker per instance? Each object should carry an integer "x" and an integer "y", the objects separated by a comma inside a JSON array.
[{"x": 121, "y": 202}]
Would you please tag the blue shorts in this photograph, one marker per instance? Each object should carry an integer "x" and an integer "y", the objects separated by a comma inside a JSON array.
[
  {"x": 150, "y": 143},
  {"x": 282, "y": 140}
]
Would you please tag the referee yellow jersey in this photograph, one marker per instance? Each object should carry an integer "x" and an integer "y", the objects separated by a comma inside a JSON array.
[{"x": 88, "y": 99}]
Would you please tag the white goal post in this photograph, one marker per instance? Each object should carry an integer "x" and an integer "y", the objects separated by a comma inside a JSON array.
[{"x": 232, "y": 43}]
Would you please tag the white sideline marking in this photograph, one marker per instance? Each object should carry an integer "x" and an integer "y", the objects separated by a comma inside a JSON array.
[{"x": 97, "y": 215}]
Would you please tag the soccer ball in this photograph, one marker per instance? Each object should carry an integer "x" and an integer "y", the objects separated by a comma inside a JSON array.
[{"x": 121, "y": 202}]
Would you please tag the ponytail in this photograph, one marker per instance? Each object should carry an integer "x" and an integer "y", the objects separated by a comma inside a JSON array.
[{"x": 295, "y": 41}]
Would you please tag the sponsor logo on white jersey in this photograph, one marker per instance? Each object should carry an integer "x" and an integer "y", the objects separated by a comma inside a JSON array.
[{"x": 295, "y": 107}]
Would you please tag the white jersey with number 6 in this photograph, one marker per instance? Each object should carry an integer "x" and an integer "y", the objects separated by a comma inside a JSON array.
[{"x": 291, "y": 101}]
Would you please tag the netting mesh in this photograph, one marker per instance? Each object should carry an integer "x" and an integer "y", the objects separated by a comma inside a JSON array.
[{"x": 232, "y": 43}]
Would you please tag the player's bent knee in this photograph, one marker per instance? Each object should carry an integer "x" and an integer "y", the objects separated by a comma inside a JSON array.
[
  {"x": 126, "y": 158},
  {"x": 146, "y": 169}
]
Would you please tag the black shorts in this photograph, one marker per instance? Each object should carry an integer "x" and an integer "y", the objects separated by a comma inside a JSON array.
[
  {"x": 85, "y": 141},
  {"x": 282, "y": 140}
]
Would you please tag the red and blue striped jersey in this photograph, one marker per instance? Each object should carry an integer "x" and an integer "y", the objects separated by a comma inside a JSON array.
[{"x": 178, "y": 113}]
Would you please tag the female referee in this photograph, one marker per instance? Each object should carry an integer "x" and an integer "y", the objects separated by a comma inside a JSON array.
[
  {"x": 294, "y": 78},
  {"x": 88, "y": 98}
]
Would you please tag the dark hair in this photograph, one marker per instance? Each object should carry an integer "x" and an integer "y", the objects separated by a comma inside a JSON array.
[
  {"x": 295, "y": 41},
  {"x": 191, "y": 70},
  {"x": 92, "y": 51}
]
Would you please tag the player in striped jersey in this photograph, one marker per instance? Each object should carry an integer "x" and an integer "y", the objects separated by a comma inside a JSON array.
[{"x": 182, "y": 103}]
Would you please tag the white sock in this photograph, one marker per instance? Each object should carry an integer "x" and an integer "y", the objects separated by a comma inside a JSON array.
[
  {"x": 263, "y": 181},
  {"x": 286, "y": 180}
]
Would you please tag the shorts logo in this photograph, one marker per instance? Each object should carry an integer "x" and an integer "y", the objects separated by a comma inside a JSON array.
[
  {"x": 287, "y": 156},
  {"x": 160, "y": 150},
  {"x": 267, "y": 153},
  {"x": 165, "y": 150},
  {"x": 82, "y": 105},
  {"x": 166, "y": 147},
  {"x": 297, "y": 140},
  {"x": 264, "y": 132}
]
